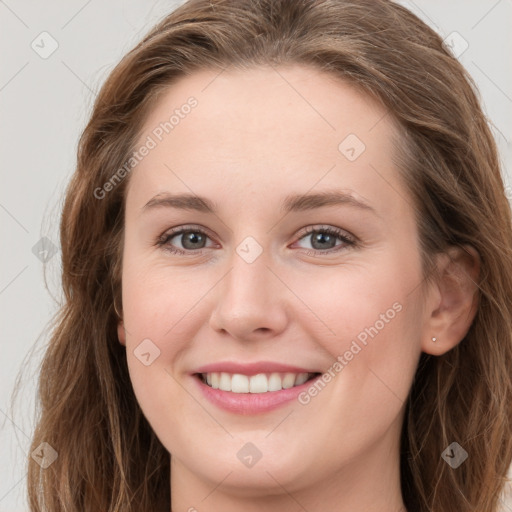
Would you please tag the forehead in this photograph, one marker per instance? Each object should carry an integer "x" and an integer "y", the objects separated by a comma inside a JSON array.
[{"x": 268, "y": 130}]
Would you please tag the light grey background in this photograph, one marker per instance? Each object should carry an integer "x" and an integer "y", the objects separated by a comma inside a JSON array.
[{"x": 44, "y": 105}]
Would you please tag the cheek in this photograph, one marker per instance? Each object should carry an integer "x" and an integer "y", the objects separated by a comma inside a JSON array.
[
  {"x": 158, "y": 302},
  {"x": 370, "y": 324},
  {"x": 374, "y": 353},
  {"x": 361, "y": 303},
  {"x": 152, "y": 308}
]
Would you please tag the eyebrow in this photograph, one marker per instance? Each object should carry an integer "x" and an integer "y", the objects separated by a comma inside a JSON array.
[{"x": 292, "y": 203}]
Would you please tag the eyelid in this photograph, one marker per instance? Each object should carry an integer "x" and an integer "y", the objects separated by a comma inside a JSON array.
[
  {"x": 186, "y": 227},
  {"x": 329, "y": 229},
  {"x": 178, "y": 230},
  {"x": 348, "y": 240}
]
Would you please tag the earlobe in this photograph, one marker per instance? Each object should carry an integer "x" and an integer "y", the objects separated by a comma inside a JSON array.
[
  {"x": 454, "y": 301},
  {"x": 121, "y": 333}
]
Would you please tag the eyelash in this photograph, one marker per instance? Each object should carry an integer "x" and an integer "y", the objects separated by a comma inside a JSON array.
[{"x": 348, "y": 240}]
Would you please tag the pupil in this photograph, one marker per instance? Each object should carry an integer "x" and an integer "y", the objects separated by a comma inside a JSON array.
[
  {"x": 191, "y": 239},
  {"x": 323, "y": 238}
]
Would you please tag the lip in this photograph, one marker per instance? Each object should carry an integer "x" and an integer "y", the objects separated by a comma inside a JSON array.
[
  {"x": 252, "y": 368},
  {"x": 250, "y": 403}
]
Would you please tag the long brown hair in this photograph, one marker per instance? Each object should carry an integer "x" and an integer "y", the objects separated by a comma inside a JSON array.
[{"x": 109, "y": 459}]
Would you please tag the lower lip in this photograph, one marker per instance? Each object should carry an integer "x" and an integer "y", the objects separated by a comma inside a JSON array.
[{"x": 251, "y": 403}]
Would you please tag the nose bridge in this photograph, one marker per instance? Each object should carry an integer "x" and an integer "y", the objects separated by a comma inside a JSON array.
[
  {"x": 250, "y": 299},
  {"x": 249, "y": 280}
]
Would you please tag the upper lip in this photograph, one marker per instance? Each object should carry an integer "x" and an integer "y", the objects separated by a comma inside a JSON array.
[{"x": 251, "y": 368}]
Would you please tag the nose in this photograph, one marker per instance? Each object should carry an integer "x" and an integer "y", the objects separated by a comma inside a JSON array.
[{"x": 251, "y": 301}]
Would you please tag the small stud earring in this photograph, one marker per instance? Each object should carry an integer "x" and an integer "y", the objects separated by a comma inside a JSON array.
[{"x": 434, "y": 339}]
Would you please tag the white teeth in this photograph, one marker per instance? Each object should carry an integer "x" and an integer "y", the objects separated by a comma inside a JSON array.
[
  {"x": 301, "y": 378},
  {"x": 225, "y": 382},
  {"x": 260, "y": 383},
  {"x": 289, "y": 380},
  {"x": 239, "y": 383},
  {"x": 275, "y": 383}
]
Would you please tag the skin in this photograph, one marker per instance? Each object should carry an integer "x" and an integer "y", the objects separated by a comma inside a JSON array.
[{"x": 254, "y": 138}]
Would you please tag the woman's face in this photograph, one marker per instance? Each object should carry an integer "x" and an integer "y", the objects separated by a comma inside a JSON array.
[{"x": 257, "y": 296}]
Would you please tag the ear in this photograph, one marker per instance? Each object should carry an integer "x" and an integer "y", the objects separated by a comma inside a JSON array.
[
  {"x": 452, "y": 300},
  {"x": 121, "y": 333}
]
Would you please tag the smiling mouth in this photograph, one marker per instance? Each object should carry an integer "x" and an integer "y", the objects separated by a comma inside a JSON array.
[{"x": 259, "y": 383}]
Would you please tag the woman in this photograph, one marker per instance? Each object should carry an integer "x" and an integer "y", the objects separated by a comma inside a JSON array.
[{"x": 287, "y": 268}]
